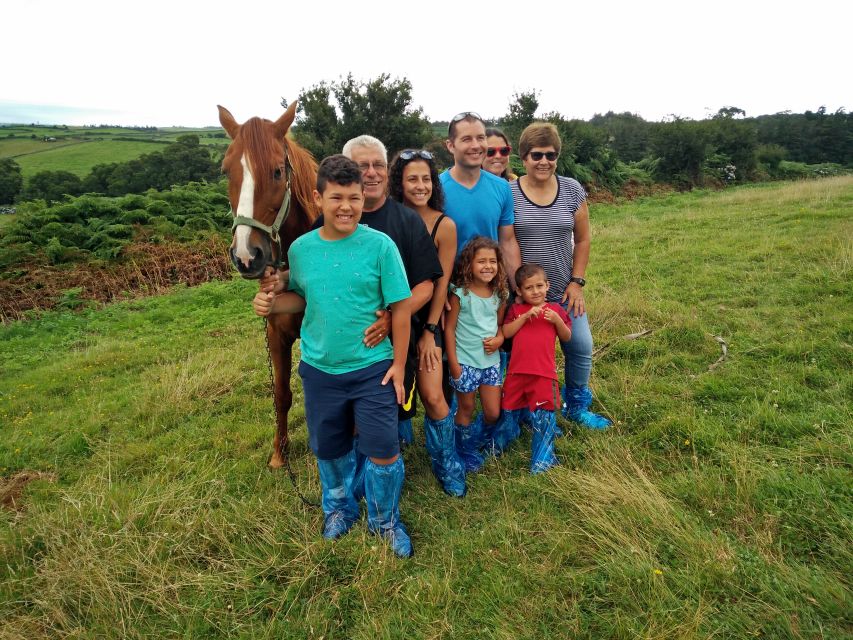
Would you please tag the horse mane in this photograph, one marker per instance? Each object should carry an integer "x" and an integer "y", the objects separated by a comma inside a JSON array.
[
  {"x": 304, "y": 178},
  {"x": 264, "y": 159}
]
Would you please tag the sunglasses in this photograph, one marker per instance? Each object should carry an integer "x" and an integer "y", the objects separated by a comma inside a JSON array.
[
  {"x": 461, "y": 116},
  {"x": 501, "y": 151},
  {"x": 536, "y": 156},
  {"x": 465, "y": 114},
  {"x": 408, "y": 154}
]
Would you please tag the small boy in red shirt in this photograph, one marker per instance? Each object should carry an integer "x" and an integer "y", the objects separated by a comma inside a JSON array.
[{"x": 531, "y": 380}]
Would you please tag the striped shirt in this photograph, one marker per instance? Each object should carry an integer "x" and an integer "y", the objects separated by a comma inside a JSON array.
[{"x": 546, "y": 233}]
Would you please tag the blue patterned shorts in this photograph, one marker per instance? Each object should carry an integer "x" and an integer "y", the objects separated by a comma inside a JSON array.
[{"x": 472, "y": 378}]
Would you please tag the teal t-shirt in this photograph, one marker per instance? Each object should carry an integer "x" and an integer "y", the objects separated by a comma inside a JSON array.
[
  {"x": 478, "y": 319},
  {"x": 344, "y": 282}
]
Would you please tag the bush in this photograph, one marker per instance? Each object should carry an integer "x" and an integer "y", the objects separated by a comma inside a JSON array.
[{"x": 11, "y": 180}]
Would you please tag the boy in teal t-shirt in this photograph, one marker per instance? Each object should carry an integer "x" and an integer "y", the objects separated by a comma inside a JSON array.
[{"x": 339, "y": 275}]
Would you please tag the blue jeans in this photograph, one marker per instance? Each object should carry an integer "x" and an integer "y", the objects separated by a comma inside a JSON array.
[{"x": 578, "y": 351}]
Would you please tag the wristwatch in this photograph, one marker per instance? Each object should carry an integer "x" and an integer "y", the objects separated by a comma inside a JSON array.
[
  {"x": 580, "y": 281},
  {"x": 432, "y": 328}
]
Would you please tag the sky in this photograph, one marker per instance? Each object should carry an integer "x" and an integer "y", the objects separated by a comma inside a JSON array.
[{"x": 169, "y": 63}]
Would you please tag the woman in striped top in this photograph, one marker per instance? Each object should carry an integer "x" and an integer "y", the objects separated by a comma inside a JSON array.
[{"x": 552, "y": 228}]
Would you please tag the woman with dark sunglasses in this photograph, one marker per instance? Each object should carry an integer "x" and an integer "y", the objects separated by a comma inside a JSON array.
[
  {"x": 413, "y": 181},
  {"x": 552, "y": 228},
  {"x": 497, "y": 154}
]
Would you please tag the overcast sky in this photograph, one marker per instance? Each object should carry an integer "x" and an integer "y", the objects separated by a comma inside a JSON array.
[{"x": 171, "y": 62}]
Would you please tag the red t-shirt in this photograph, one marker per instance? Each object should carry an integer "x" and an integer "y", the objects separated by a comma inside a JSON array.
[{"x": 533, "y": 347}]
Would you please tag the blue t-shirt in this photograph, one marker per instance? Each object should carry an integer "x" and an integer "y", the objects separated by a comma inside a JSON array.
[
  {"x": 478, "y": 211},
  {"x": 478, "y": 319},
  {"x": 344, "y": 282}
]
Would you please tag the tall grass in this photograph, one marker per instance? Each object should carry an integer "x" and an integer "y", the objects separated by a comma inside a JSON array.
[{"x": 718, "y": 506}]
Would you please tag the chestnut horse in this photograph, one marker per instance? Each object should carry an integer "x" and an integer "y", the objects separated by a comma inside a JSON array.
[{"x": 271, "y": 181}]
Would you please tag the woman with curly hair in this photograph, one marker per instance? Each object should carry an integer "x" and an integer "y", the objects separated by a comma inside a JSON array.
[{"x": 413, "y": 181}]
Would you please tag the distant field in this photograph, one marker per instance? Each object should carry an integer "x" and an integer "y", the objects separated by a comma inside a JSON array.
[
  {"x": 81, "y": 157},
  {"x": 78, "y": 149}
]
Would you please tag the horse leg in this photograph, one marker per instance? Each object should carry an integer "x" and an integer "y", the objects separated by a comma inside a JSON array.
[{"x": 281, "y": 336}]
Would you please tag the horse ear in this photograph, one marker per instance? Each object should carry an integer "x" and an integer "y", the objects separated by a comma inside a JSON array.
[
  {"x": 283, "y": 123},
  {"x": 228, "y": 122}
]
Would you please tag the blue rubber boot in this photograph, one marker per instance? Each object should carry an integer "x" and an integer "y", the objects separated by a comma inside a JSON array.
[
  {"x": 505, "y": 430},
  {"x": 542, "y": 456},
  {"x": 468, "y": 442},
  {"x": 384, "y": 483},
  {"x": 447, "y": 466},
  {"x": 358, "y": 482},
  {"x": 339, "y": 506},
  {"x": 576, "y": 404},
  {"x": 405, "y": 433}
]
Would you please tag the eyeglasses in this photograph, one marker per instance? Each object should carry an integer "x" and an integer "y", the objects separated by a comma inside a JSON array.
[
  {"x": 408, "y": 154},
  {"x": 377, "y": 166},
  {"x": 502, "y": 151},
  {"x": 536, "y": 156}
]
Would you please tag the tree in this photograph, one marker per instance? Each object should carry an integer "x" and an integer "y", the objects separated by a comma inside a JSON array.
[
  {"x": 53, "y": 186},
  {"x": 522, "y": 111},
  {"x": 11, "y": 180},
  {"x": 330, "y": 114},
  {"x": 681, "y": 147}
]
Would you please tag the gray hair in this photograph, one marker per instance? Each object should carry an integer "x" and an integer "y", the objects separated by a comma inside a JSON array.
[{"x": 365, "y": 141}]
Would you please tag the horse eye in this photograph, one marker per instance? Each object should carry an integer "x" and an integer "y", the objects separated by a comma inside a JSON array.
[{"x": 277, "y": 174}]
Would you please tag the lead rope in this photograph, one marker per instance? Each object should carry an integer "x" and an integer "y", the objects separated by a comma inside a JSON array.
[{"x": 284, "y": 448}]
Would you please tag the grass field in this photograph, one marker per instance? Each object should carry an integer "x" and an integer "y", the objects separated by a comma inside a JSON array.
[{"x": 719, "y": 506}]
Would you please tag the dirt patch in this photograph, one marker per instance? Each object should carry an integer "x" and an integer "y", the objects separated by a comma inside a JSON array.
[
  {"x": 145, "y": 269},
  {"x": 12, "y": 487}
]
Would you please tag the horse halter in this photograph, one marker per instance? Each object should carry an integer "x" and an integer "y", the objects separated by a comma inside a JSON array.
[{"x": 272, "y": 230}]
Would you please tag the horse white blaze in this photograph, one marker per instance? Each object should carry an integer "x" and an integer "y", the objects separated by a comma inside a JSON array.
[{"x": 246, "y": 208}]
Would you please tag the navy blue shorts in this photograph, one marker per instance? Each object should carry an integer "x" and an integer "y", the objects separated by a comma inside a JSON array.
[{"x": 334, "y": 403}]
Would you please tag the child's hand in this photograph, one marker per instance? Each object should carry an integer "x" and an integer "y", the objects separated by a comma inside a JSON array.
[
  {"x": 551, "y": 316},
  {"x": 532, "y": 312},
  {"x": 490, "y": 345},
  {"x": 263, "y": 303},
  {"x": 272, "y": 282},
  {"x": 455, "y": 370},
  {"x": 396, "y": 374}
]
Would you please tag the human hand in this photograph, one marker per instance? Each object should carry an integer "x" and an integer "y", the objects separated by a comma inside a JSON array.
[
  {"x": 455, "y": 370},
  {"x": 492, "y": 344},
  {"x": 396, "y": 374},
  {"x": 574, "y": 296},
  {"x": 378, "y": 331},
  {"x": 429, "y": 355},
  {"x": 262, "y": 303},
  {"x": 532, "y": 312},
  {"x": 550, "y": 315},
  {"x": 273, "y": 281}
]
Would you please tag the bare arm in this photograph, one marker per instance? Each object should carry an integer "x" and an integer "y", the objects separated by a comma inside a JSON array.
[
  {"x": 265, "y": 303},
  {"x": 450, "y": 336},
  {"x": 401, "y": 324},
  {"x": 580, "y": 258},
  {"x": 564, "y": 332},
  {"x": 511, "y": 252},
  {"x": 429, "y": 356}
]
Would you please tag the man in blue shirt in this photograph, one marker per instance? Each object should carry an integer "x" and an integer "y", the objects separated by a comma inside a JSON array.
[{"x": 479, "y": 203}]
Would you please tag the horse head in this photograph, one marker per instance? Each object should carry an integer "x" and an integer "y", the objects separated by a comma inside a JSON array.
[{"x": 260, "y": 176}]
